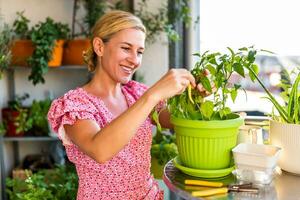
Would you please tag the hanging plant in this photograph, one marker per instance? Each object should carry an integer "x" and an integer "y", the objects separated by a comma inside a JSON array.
[{"x": 43, "y": 36}]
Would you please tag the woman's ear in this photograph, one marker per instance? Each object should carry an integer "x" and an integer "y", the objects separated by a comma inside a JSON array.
[{"x": 98, "y": 46}]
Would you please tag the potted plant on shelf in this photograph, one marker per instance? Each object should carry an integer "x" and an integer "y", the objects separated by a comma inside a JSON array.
[
  {"x": 15, "y": 117},
  {"x": 48, "y": 39},
  {"x": 206, "y": 129},
  {"x": 22, "y": 47},
  {"x": 285, "y": 124},
  {"x": 38, "y": 115}
]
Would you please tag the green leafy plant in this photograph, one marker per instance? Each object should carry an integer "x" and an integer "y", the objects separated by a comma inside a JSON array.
[
  {"x": 38, "y": 116},
  {"x": 162, "y": 20},
  {"x": 221, "y": 67},
  {"x": 163, "y": 144},
  {"x": 2, "y": 129},
  {"x": 156, "y": 22},
  {"x": 5, "y": 43},
  {"x": 22, "y": 122},
  {"x": 21, "y": 26},
  {"x": 31, "y": 119},
  {"x": 290, "y": 111},
  {"x": 43, "y": 35},
  {"x": 60, "y": 183}
]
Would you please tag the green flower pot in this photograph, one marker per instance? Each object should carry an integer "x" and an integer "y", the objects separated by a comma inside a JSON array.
[{"x": 206, "y": 144}]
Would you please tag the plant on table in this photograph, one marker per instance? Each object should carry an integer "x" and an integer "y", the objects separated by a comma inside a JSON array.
[
  {"x": 206, "y": 129},
  {"x": 285, "y": 124}
]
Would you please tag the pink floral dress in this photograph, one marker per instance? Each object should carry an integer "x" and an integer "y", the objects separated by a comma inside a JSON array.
[{"x": 126, "y": 175}]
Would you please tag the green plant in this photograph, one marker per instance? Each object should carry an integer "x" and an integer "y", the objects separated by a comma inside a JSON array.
[
  {"x": 163, "y": 144},
  {"x": 156, "y": 22},
  {"x": 191, "y": 105},
  {"x": 5, "y": 43},
  {"x": 2, "y": 129},
  {"x": 43, "y": 36},
  {"x": 163, "y": 20},
  {"x": 22, "y": 122},
  {"x": 38, "y": 116},
  {"x": 21, "y": 26},
  {"x": 57, "y": 184},
  {"x": 290, "y": 111}
]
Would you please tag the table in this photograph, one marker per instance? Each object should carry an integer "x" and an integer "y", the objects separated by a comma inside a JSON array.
[{"x": 284, "y": 187}]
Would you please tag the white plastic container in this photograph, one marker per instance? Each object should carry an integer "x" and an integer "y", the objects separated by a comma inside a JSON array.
[
  {"x": 255, "y": 163},
  {"x": 258, "y": 157}
]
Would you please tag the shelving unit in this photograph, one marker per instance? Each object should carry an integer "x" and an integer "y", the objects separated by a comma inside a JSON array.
[{"x": 16, "y": 140}]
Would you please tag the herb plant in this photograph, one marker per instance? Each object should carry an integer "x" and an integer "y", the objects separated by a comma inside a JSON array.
[{"x": 221, "y": 67}]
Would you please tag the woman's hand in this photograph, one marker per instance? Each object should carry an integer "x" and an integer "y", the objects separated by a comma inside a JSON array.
[
  {"x": 203, "y": 92},
  {"x": 172, "y": 83}
]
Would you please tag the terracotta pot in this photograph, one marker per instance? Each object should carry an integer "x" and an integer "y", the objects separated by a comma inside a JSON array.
[
  {"x": 73, "y": 51},
  {"x": 9, "y": 117},
  {"x": 57, "y": 54},
  {"x": 23, "y": 49}
]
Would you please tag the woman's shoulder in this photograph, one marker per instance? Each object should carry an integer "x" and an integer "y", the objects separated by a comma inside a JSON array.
[{"x": 75, "y": 99}]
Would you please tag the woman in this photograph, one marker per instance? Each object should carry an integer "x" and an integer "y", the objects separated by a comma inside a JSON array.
[{"x": 105, "y": 125}]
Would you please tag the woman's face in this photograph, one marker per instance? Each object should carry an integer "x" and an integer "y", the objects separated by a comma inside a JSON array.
[{"x": 122, "y": 54}]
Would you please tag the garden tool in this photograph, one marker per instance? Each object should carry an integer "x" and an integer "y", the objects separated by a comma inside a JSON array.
[{"x": 219, "y": 188}]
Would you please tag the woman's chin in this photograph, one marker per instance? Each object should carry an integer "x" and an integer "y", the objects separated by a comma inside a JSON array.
[{"x": 125, "y": 80}]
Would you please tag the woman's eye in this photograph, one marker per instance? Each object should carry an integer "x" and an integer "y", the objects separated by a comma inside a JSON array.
[
  {"x": 125, "y": 48},
  {"x": 140, "y": 52}
]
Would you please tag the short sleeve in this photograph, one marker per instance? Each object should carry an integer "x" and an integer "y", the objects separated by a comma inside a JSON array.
[
  {"x": 137, "y": 89},
  {"x": 67, "y": 110}
]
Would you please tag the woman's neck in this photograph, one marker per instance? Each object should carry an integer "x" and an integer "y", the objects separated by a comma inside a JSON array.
[{"x": 103, "y": 86}]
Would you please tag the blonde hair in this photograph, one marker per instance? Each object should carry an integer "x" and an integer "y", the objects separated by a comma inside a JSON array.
[{"x": 108, "y": 25}]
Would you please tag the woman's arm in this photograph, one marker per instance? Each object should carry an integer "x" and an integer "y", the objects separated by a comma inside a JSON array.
[{"x": 102, "y": 145}]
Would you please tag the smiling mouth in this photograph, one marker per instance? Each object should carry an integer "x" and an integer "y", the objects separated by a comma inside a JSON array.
[{"x": 127, "y": 70}]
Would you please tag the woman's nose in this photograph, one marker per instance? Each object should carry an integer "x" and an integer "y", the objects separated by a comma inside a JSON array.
[{"x": 134, "y": 59}]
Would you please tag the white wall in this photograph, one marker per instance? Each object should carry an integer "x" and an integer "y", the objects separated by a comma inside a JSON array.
[{"x": 155, "y": 62}]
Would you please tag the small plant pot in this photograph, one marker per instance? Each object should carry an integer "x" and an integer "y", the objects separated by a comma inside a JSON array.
[
  {"x": 287, "y": 137},
  {"x": 21, "y": 50},
  {"x": 9, "y": 117},
  {"x": 206, "y": 144},
  {"x": 57, "y": 54},
  {"x": 73, "y": 51}
]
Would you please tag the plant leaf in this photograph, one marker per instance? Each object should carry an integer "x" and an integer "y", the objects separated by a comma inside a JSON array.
[
  {"x": 207, "y": 109},
  {"x": 233, "y": 94},
  {"x": 239, "y": 69}
]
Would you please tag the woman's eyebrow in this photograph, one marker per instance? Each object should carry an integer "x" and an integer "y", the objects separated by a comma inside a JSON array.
[{"x": 127, "y": 43}]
